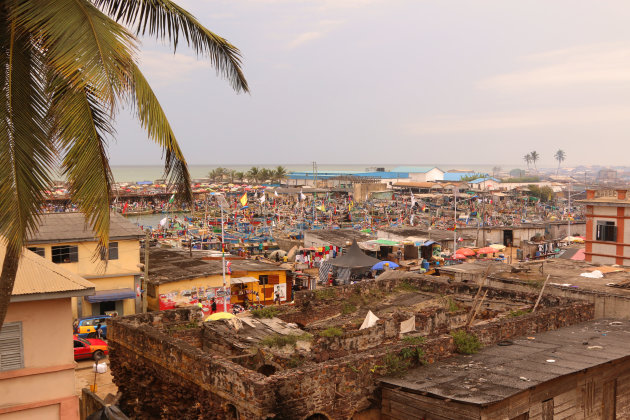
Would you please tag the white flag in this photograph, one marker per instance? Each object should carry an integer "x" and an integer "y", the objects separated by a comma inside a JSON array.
[
  {"x": 275, "y": 193},
  {"x": 411, "y": 221},
  {"x": 302, "y": 196},
  {"x": 163, "y": 221},
  {"x": 222, "y": 201},
  {"x": 263, "y": 198}
]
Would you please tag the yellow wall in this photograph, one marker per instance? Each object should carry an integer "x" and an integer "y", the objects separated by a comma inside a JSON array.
[
  {"x": 256, "y": 287},
  {"x": 94, "y": 270},
  {"x": 48, "y": 356},
  {"x": 177, "y": 286}
]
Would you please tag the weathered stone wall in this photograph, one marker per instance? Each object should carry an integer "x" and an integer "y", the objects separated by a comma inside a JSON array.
[{"x": 163, "y": 377}]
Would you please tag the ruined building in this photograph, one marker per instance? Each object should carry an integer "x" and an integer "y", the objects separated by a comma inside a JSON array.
[{"x": 313, "y": 360}]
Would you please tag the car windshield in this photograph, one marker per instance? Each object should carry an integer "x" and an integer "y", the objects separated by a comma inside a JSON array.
[{"x": 84, "y": 341}]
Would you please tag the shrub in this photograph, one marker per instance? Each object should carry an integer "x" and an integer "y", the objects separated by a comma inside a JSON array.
[
  {"x": 348, "y": 308},
  {"x": 520, "y": 312},
  {"x": 326, "y": 293},
  {"x": 266, "y": 312},
  {"x": 280, "y": 340},
  {"x": 331, "y": 332},
  {"x": 466, "y": 343},
  {"x": 406, "y": 286},
  {"x": 415, "y": 340}
]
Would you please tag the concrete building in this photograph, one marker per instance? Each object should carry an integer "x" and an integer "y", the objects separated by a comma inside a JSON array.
[
  {"x": 421, "y": 173},
  {"x": 66, "y": 239},
  {"x": 36, "y": 356},
  {"x": 484, "y": 184},
  {"x": 607, "y": 236}
]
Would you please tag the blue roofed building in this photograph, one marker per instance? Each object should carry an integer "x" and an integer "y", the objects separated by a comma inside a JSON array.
[{"x": 485, "y": 183}]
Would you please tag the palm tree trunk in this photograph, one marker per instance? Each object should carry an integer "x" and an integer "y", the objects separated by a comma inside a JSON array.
[{"x": 7, "y": 279}]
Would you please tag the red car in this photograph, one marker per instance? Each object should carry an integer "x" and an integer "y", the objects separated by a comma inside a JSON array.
[{"x": 89, "y": 348}]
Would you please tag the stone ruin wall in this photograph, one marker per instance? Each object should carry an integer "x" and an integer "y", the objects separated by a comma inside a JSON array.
[{"x": 161, "y": 376}]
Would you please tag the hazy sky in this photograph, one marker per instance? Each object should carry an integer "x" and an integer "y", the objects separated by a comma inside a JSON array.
[{"x": 393, "y": 81}]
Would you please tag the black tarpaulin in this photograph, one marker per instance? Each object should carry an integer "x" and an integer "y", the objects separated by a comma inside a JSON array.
[{"x": 354, "y": 258}]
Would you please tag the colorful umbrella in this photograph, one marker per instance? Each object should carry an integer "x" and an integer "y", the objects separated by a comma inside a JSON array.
[
  {"x": 486, "y": 250},
  {"x": 467, "y": 252}
]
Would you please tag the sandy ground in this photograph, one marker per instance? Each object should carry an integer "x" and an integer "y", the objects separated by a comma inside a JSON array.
[{"x": 84, "y": 377}]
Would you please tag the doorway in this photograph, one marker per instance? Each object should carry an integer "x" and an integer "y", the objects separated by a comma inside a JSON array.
[{"x": 508, "y": 237}]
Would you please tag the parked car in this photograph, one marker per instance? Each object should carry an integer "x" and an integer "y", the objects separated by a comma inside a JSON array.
[
  {"x": 89, "y": 348},
  {"x": 86, "y": 327}
]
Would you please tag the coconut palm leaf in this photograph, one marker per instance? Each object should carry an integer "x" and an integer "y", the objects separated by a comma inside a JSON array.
[
  {"x": 83, "y": 45},
  {"x": 154, "y": 121},
  {"x": 166, "y": 20}
]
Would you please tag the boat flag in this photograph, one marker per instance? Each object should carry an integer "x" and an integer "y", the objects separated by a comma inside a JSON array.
[
  {"x": 413, "y": 199},
  {"x": 302, "y": 196},
  {"x": 170, "y": 200},
  {"x": 243, "y": 199},
  {"x": 125, "y": 207},
  {"x": 262, "y": 198},
  {"x": 321, "y": 208},
  {"x": 222, "y": 201},
  {"x": 275, "y": 193},
  {"x": 411, "y": 221},
  {"x": 163, "y": 221}
]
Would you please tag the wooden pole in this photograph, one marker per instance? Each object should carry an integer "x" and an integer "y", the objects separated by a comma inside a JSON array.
[
  {"x": 146, "y": 272},
  {"x": 477, "y": 309},
  {"x": 541, "y": 293}
]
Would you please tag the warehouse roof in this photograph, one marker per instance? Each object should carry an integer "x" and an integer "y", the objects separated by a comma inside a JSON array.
[
  {"x": 73, "y": 227},
  {"x": 498, "y": 372}
]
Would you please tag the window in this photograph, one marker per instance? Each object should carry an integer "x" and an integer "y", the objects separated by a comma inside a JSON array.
[
  {"x": 263, "y": 280},
  {"x": 113, "y": 252},
  {"x": 39, "y": 251},
  {"x": 606, "y": 231},
  {"x": 11, "y": 350},
  {"x": 65, "y": 254}
]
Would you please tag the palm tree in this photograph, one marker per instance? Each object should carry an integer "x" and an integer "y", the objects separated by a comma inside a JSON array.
[
  {"x": 66, "y": 68},
  {"x": 534, "y": 156},
  {"x": 239, "y": 176},
  {"x": 253, "y": 174},
  {"x": 560, "y": 157},
  {"x": 280, "y": 174},
  {"x": 527, "y": 158}
]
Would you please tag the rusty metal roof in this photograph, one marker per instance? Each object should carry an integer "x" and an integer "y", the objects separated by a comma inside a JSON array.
[
  {"x": 37, "y": 276},
  {"x": 498, "y": 372},
  {"x": 72, "y": 227}
]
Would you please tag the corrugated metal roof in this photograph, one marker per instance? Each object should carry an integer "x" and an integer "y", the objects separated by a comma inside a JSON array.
[
  {"x": 414, "y": 169},
  {"x": 72, "y": 227},
  {"x": 36, "y": 275},
  {"x": 457, "y": 176}
]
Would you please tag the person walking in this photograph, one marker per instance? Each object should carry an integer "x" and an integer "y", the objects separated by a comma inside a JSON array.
[
  {"x": 98, "y": 331},
  {"x": 277, "y": 298},
  {"x": 213, "y": 307}
]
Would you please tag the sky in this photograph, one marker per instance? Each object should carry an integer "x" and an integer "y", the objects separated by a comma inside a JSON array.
[{"x": 397, "y": 82}]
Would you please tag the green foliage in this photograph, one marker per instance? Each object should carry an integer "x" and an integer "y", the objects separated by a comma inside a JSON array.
[
  {"x": 396, "y": 364},
  {"x": 295, "y": 361},
  {"x": 545, "y": 194},
  {"x": 415, "y": 340},
  {"x": 348, "y": 308},
  {"x": 472, "y": 177},
  {"x": 407, "y": 286},
  {"x": 354, "y": 368},
  {"x": 522, "y": 179},
  {"x": 451, "y": 304},
  {"x": 266, "y": 312},
  {"x": 325, "y": 293},
  {"x": 280, "y": 340},
  {"x": 517, "y": 313},
  {"x": 331, "y": 332},
  {"x": 466, "y": 343},
  {"x": 188, "y": 326}
]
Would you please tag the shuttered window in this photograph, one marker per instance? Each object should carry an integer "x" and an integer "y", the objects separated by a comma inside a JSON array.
[{"x": 11, "y": 350}]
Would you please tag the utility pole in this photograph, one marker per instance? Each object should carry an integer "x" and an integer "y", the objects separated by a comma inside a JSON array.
[
  {"x": 223, "y": 260},
  {"x": 569, "y": 216},
  {"x": 145, "y": 286},
  {"x": 455, "y": 216}
]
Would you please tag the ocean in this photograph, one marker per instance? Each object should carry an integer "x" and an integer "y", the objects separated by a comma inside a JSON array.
[{"x": 153, "y": 172}]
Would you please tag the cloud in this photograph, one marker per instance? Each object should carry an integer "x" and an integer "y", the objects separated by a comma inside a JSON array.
[
  {"x": 588, "y": 64},
  {"x": 305, "y": 37},
  {"x": 164, "y": 68},
  {"x": 448, "y": 124},
  {"x": 323, "y": 27}
]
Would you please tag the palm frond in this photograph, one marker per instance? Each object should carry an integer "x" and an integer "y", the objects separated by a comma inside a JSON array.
[
  {"x": 26, "y": 151},
  {"x": 154, "y": 121},
  {"x": 166, "y": 20},
  {"x": 82, "y": 127},
  {"x": 82, "y": 44}
]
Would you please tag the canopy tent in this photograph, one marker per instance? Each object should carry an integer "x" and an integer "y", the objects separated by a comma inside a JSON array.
[
  {"x": 381, "y": 265},
  {"x": 354, "y": 258}
]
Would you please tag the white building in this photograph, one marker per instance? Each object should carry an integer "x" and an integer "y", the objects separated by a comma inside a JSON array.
[{"x": 421, "y": 173}]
